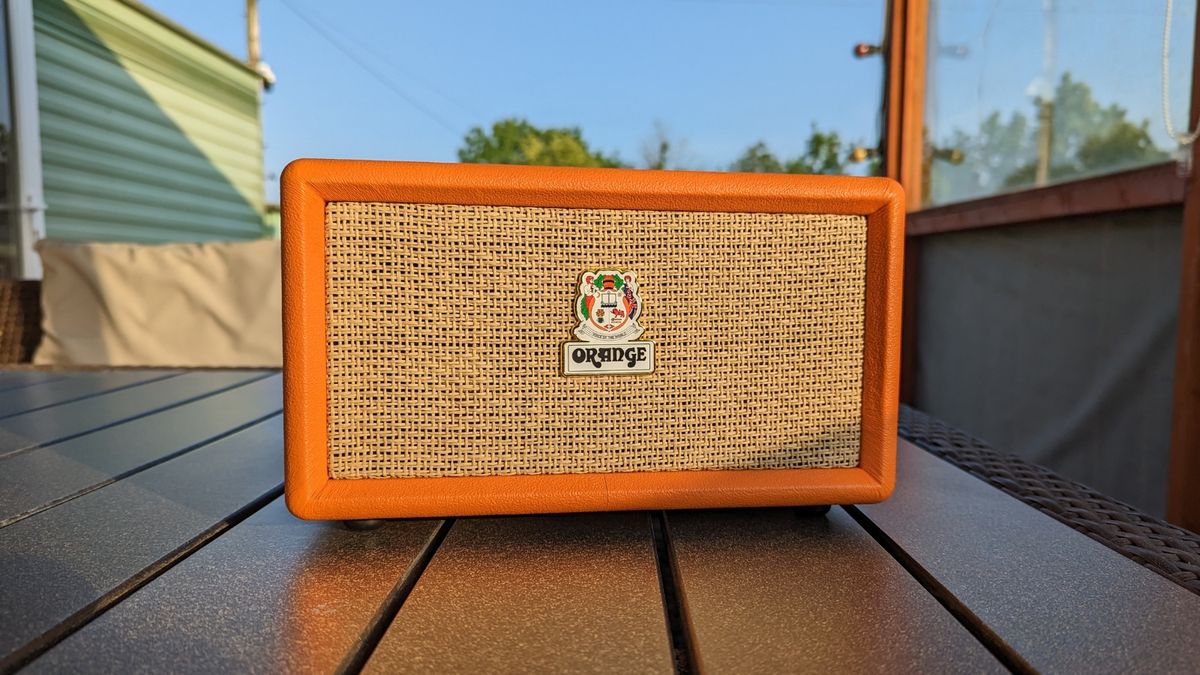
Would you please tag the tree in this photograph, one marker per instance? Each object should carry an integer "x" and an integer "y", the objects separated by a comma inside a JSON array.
[
  {"x": 757, "y": 158},
  {"x": 1086, "y": 138},
  {"x": 660, "y": 151},
  {"x": 823, "y": 154},
  {"x": 516, "y": 141}
]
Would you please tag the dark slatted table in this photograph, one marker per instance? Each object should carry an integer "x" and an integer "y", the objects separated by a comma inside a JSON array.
[{"x": 142, "y": 529}]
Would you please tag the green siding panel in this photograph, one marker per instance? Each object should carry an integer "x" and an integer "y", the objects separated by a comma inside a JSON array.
[{"x": 147, "y": 133}]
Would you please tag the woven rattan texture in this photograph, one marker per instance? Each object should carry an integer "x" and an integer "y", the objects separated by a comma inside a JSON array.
[
  {"x": 20, "y": 320},
  {"x": 1171, "y": 551},
  {"x": 445, "y": 326}
]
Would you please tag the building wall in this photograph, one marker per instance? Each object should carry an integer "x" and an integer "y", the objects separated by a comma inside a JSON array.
[
  {"x": 1056, "y": 341},
  {"x": 148, "y": 134}
]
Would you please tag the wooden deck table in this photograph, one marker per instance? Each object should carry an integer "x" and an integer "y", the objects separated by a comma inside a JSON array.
[{"x": 142, "y": 529}]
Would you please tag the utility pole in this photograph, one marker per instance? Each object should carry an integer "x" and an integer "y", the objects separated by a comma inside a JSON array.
[
  {"x": 253, "y": 50},
  {"x": 1045, "y": 140}
]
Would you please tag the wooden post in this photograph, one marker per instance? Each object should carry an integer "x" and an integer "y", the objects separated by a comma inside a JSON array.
[
  {"x": 1183, "y": 487},
  {"x": 904, "y": 149},
  {"x": 894, "y": 88},
  {"x": 904, "y": 140}
]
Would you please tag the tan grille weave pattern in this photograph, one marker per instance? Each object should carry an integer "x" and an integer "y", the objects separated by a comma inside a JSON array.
[{"x": 445, "y": 326}]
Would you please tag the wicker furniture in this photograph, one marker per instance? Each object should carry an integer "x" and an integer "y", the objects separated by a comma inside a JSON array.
[
  {"x": 20, "y": 320},
  {"x": 1164, "y": 548}
]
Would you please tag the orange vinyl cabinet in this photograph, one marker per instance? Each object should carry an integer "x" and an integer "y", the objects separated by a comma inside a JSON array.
[{"x": 309, "y": 184}]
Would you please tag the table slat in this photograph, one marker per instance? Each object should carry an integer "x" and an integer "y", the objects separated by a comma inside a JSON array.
[
  {"x": 15, "y": 379},
  {"x": 274, "y": 593},
  {"x": 75, "y": 387},
  {"x": 534, "y": 594},
  {"x": 48, "y": 425},
  {"x": 60, "y": 564},
  {"x": 769, "y": 591},
  {"x": 35, "y": 479},
  {"x": 1062, "y": 601}
]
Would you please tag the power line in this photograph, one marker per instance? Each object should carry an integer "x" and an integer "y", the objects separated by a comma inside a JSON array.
[
  {"x": 370, "y": 69},
  {"x": 374, "y": 53}
]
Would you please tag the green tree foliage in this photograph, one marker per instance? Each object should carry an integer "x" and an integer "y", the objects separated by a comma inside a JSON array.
[
  {"x": 757, "y": 158},
  {"x": 824, "y": 153},
  {"x": 516, "y": 141},
  {"x": 1086, "y": 138}
]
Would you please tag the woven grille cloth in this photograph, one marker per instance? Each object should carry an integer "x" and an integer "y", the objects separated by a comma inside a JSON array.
[{"x": 445, "y": 326}]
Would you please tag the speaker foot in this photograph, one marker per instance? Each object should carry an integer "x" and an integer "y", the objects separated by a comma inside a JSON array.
[
  {"x": 812, "y": 510},
  {"x": 362, "y": 525}
]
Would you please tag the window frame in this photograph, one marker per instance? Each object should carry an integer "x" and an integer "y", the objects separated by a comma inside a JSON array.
[{"x": 1145, "y": 187}]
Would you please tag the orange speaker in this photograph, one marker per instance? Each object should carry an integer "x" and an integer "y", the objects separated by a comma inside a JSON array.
[{"x": 480, "y": 339}]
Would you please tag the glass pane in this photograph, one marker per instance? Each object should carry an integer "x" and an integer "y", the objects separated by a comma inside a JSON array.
[{"x": 1021, "y": 93}]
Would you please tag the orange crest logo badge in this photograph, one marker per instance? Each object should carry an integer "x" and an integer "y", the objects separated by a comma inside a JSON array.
[{"x": 608, "y": 308}]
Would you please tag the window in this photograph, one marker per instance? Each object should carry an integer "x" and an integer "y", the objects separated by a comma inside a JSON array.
[{"x": 1025, "y": 93}]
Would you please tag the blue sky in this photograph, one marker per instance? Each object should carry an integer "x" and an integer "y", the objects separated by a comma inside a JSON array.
[{"x": 718, "y": 74}]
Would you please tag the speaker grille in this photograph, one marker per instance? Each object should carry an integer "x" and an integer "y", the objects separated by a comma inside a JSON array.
[{"x": 445, "y": 325}]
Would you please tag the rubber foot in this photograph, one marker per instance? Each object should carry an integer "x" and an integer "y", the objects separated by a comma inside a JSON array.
[{"x": 362, "y": 525}]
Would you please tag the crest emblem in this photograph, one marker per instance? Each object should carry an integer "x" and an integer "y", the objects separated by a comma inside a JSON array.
[{"x": 607, "y": 309}]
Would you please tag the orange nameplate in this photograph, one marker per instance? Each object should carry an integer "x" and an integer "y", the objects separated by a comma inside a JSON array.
[{"x": 478, "y": 339}]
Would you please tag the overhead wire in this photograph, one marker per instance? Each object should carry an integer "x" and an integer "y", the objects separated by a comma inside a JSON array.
[
  {"x": 392, "y": 65},
  {"x": 370, "y": 69}
]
